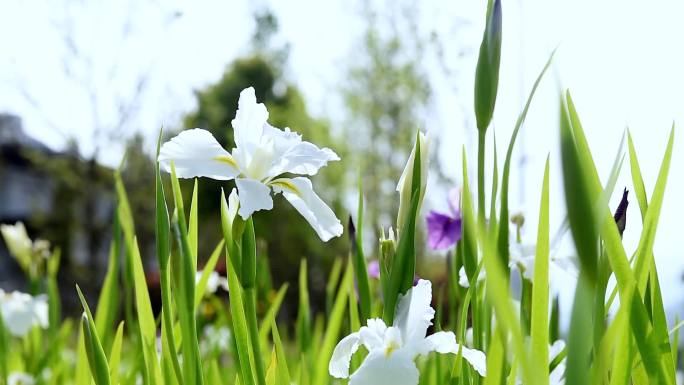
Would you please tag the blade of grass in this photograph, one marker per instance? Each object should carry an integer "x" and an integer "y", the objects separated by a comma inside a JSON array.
[
  {"x": 359, "y": 259},
  {"x": 108, "y": 302},
  {"x": 239, "y": 325},
  {"x": 97, "y": 359},
  {"x": 333, "y": 330},
  {"x": 304, "y": 313},
  {"x": 540, "y": 288},
  {"x": 115, "y": 354},
  {"x": 270, "y": 316},
  {"x": 208, "y": 269},
  {"x": 503, "y": 245},
  {"x": 637, "y": 180}
]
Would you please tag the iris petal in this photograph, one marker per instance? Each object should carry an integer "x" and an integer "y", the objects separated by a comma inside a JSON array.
[{"x": 299, "y": 192}]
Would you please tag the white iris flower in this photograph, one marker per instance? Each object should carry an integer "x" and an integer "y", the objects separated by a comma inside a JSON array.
[
  {"x": 262, "y": 154},
  {"x": 213, "y": 282},
  {"x": 21, "y": 312},
  {"x": 20, "y": 378},
  {"x": 392, "y": 350}
]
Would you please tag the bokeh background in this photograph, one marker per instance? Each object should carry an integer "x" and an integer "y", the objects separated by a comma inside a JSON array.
[{"x": 82, "y": 83}]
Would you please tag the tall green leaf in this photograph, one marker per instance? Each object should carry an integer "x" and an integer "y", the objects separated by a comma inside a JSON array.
[
  {"x": 503, "y": 213},
  {"x": 540, "y": 288}
]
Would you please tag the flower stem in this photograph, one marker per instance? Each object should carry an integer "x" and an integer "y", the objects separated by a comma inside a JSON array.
[
  {"x": 168, "y": 322},
  {"x": 249, "y": 301},
  {"x": 481, "y": 177}
]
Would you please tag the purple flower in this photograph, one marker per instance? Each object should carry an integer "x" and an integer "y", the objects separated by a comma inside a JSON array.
[
  {"x": 374, "y": 269},
  {"x": 444, "y": 230}
]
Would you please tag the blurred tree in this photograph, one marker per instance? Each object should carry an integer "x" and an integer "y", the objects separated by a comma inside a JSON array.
[
  {"x": 386, "y": 92},
  {"x": 137, "y": 173}
]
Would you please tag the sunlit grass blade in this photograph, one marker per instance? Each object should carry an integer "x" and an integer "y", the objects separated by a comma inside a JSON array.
[
  {"x": 503, "y": 206},
  {"x": 99, "y": 368},
  {"x": 354, "y": 322},
  {"x": 270, "y": 316},
  {"x": 115, "y": 354},
  {"x": 493, "y": 223},
  {"x": 333, "y": 329},
  {"x": 185, "y": 300},
  {"x": 303, "y": 323},
  {"x": 540, "y": 288},
  {"x": 82, "y": 368},
  {"x": 469, "y": 225},
  {"x": 108, "y": 302},
  {"x": 331, "y": 284},
  {"x": 580, "y": 207},
  {"x": 499, "y": 296},
  {"x": 359, "y": 258},
  {"x": 282, "y": 371},
  {"x": 495, "y": 360},
  {"x": 162, "y": 232},
  {"x": 208, "y": 269},
  {"x": 146, "y": 323},
  {"x": 240, "y": 326},
  {"x": 645, "y": 249},
  {"x": 637, "y": 180}
]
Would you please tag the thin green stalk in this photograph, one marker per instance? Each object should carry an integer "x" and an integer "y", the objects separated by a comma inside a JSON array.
[
  {"x": 481, "y": 135},
  {"x": 249, "y": 301},
  {"x": 168, "y": 322}
]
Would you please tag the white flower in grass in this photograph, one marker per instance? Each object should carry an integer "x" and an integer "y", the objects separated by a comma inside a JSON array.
[
  {"x": 21, "y": 312},
  {"x": 560, "y": 268},
  {"x": 557, "y": 375},
  {"x": 20, "y": 378},
  {"x": 213, "y": 283},
  {"x": 262, "y": 155},
  {"x": 392, "y": 350},
  {"x": 17, "y": 240}
]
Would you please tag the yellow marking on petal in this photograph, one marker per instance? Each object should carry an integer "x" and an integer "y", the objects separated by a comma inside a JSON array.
[
  {"x": 391, "y": 348},
  {"x": 286, "y": 184},
  {"x": 227, "y": 159}
]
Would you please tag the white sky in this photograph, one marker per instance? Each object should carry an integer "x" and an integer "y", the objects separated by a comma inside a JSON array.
[{"x": 622, "y": 61}]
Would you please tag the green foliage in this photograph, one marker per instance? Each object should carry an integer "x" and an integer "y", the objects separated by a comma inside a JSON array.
[
  {"x": 633, "y": 346},
  {"x": 487, "y": 70}
]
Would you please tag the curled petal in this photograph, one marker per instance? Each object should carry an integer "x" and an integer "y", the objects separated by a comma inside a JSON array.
[
  {"x": 440, "y": 342},
  {"x": 476, "y": 358},
  {"x": 445, "y": 342},
  {"x": 299, "y": 192},
  {"x": 304, "y": 158},
  {"x": 295, "y": 156},
  {"x": 383, "y": 368},
  {"x": 414, "y": 313},
  {"x": 341, "y": 357},
  {"x": 250, "y": 119},
  {"x": 196, "y": 153},
  {"x": 254, "y": 196}
]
